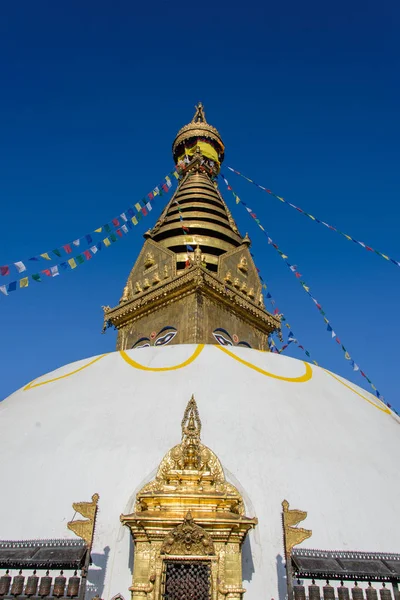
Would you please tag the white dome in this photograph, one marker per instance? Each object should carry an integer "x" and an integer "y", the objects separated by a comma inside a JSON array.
[{"x": 281, "y": 428}]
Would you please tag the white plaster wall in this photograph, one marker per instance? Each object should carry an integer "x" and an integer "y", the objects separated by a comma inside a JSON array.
[{"x": 326, "y": 447}]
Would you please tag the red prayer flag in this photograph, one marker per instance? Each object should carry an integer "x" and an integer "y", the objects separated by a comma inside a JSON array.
[
  {"x": 47, "y": 272},
  {"x": 118, "y": 232},
  {"x": 165, "y": 187},
  {"x": 150, "y": 196},
  {"x": 5, "y": 270},
  {"x": 115, "y": 222},
  {"x": 185, "y": 228},
  {"x": 297, "y": 274},
  {"x": 276, "y": 311},
  {"x": 67, "y": 248},
  {"x": 144, "y": 211},
  {"x": 88, "y": 254}
]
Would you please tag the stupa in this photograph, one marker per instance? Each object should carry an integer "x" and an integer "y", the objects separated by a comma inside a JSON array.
[{"x": 180, "y": 466}]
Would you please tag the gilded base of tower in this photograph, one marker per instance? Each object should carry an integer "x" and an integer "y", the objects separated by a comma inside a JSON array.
[{"x": 195, "y": 307}]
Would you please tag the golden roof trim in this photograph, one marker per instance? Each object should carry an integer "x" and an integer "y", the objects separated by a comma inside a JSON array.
[{"x": 190, "y": 278}]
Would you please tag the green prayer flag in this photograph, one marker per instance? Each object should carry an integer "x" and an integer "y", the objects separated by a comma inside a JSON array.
[
  {"x": 79, "y": 259},
  {"x": 36, "y": 277},
  {"x": 107, "y": 228},
  {"x": 113, "y": 237},
  {"x": 57, "y": 252}
]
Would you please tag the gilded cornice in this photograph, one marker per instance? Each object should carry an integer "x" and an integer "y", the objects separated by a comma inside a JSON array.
[{"x": 192, "y": 278}]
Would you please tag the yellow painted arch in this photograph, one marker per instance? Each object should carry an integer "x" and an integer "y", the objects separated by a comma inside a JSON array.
[
  {"x": 32, "y": 384},
  {"x": 306, "y": 377},
  {"x": 185, "y": 363}
]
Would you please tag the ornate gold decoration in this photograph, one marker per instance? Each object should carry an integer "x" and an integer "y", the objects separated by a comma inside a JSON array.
[
  {"x": 190, "y": 289},
  {"x": 188, "y": 512},
  {"x": 85, "y": 529},
  {"x": 197, "y": 258},
  {"x": 149, "y": 260},
  {"x": 125, "y": 294},
  {"x": 228, "y": 277},
  {"x": 242, "y": 266},
  {"x": 188, "y": 538},
  {"x": 198, "y": 127},
  {"x": 293, "y": 535}
]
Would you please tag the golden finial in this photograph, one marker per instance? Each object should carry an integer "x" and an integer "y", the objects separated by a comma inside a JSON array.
[
  {"x": 191, "y": 423},
  {"x": 199, "y": 116}
]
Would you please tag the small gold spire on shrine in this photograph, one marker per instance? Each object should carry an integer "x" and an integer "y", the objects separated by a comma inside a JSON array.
[{"x": 199, "y": 116}]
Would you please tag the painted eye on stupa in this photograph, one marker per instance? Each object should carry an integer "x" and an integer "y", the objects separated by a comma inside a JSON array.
[
  {"x": 143, "y": 342},
  {"x": 223, "y": 337},
  {"x": 168, "y": 334}
]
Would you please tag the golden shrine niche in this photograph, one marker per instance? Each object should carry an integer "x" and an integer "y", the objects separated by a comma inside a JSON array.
[{"x": 189, "y": 525}]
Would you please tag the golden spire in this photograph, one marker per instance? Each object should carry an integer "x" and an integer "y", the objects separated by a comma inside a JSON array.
[
  {"x": 199, "y": 134},
  {"x": 194, "y": 260}
]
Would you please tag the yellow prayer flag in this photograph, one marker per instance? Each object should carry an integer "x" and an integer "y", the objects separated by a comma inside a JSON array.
[
  {"x": 24, "y": 282},
  {"x": 284, "y": 256},
  {"x": 138, "y": 207},
  {"x": 384, "y": 256},
  {"x": 99, "y": 230},
  {"x": 134, "y": 220},
  {"x": 175, "y": 174},
  {"x": 281, "y": 199},
  {"x": 106, "y": 242},
  {"x": 72, "y": 263},
  {"x": 45, "y": 255},
  {"x": 261, "y": 227},
  {"x": 311, "y": 217},
  {"x": 347, "y": 236},
  {"x": 237, "y": 199}
]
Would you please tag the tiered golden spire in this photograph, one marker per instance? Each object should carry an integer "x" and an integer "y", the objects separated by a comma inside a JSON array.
[{"x": 195, "y": 275}]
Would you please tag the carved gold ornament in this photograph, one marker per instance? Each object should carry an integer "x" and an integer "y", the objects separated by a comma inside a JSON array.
[
  {"x": 292, "y": 535},
  {"x": 149, "y": 260},
  {"x": 85, "y": 529},
  {"x": 188, "y": 538},
  {"x": 188, "y": 513},
  {"x": 243, "y": 266}
]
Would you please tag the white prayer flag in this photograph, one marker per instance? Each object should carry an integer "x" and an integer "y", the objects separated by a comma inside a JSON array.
[{"x": 20, "y": 266}]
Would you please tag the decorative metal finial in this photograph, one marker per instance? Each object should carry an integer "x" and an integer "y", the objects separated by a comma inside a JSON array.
[
  {"x": 199, "y": 116},
  {"x": 191, "y": 423}
]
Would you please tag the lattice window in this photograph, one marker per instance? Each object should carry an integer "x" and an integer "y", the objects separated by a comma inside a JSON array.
[{"x": 187, "y": 580}]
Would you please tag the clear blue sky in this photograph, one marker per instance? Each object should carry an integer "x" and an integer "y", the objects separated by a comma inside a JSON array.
[{"x": 306, "y": 97}]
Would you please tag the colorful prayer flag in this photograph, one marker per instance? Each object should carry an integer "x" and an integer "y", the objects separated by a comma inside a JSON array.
[{"x": 24, "y": 282}]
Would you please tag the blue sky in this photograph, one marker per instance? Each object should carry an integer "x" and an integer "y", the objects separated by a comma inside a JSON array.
[{"x": 306, "y": 98}]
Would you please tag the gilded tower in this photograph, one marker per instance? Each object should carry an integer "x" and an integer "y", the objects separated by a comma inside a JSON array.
[{"x": 194, "y": 280}]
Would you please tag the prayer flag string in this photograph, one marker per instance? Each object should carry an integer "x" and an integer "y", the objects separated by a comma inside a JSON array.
[
  {"x": 291, "y": 337},
  {"x": 72, "y": 263},
  {"x": 115, "y": 223},
  {"x": 306, "y": 288},
  {"x": 306, "y": 214}
]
